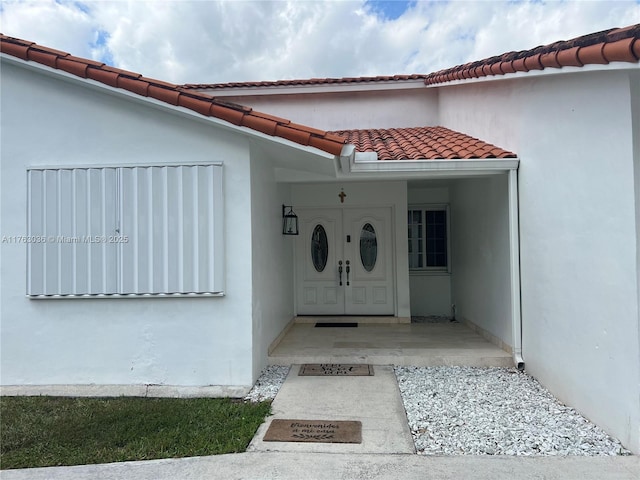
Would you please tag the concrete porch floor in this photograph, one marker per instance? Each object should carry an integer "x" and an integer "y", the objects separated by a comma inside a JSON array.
[{"x": 418, "y": 344}]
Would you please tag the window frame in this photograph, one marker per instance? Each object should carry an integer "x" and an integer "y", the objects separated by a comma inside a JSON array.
[{"x": 423, "y": 208}]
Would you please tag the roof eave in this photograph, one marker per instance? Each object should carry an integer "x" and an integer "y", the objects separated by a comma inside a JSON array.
[
  {"x": 613, "y": 66},
  {"x": 432, "y": 167},
  {"x": 185, "y": 112},
  {"x": 312, "y": 89}
]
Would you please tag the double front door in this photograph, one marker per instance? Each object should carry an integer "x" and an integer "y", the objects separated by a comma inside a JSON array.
[{"x": 344, "y": 262}]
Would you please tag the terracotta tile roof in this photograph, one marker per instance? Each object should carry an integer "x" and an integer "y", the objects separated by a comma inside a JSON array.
[
  {"x": 172, "y": 94},
  {"x": 614, "y": 45},
  {"x": 304, "y": 82},
  {"x": 421, "y": 143}
]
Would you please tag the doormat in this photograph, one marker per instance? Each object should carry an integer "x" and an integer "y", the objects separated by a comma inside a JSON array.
[
  {"x": 336, "y": 369},
  {"x": 336, "y": 324},
  {"x": 318, "y": 431}
]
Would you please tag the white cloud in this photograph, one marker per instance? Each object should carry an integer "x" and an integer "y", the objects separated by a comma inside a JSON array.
[
  {"x": 206, "y": 41},
  {"x": 63, "y": 26}
]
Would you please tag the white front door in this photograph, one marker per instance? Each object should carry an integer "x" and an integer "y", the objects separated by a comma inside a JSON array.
[{"x": 344, "y": 262}]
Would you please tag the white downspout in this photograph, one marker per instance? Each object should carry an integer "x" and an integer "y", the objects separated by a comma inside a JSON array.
[{"x": 514, "y": 243}]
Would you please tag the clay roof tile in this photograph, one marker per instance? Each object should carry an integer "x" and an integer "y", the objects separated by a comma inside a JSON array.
[
  {"x": 620, "y": 51},
  {"x": 15, "y": 50},
  {"x": 496, "y": 68},
  {"x": 103, "y": 76},
  {"x": 166, "y": 92},
  {"x": 228, "y": 114},
  {"x": 592, "y": 54},
  {"x": 617, "y": 44},
  {"x": 45, "y": 58},
  {"x": 507, "y": 66},
  {"x": 119, "y": 71},
  {"x": 266, "y": 116},
  {"x": 533, "y": 62},
  {"x": 260, "y": 124},
  {"x": 549, "y": 59},
  {"x": 313, "y": 131},
  {"x": 326, "y": 145},
  {"x": 293, "y": 134},
  {"x": 420, "y": 143},
  {"x": 133, "y": 85},
  {"x": 91, "y": 63},
  {"x": 569, "y": 57},
  {"x": 73, "y": 67},
  {"x": 158, "y": 83},
  {"x": 519, "y": 65},
  {"x": 309, "y": 81}
]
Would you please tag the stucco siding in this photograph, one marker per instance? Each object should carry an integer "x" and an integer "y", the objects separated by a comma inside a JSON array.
[
  {"x": 480, "y": 249},
  {"x": 172, "y": 341},
  {"x": 635, "y": 119},
  {"x": 271, "y": 258},
  {"x": 349, "y": 110},
  {"x": 577, "y": 231}
]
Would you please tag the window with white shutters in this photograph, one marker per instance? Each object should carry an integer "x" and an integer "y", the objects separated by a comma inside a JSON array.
[{"x": 144, "y": 230}]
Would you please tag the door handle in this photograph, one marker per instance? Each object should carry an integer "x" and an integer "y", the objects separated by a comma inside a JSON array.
[
  {"x": 340, "y": 271},
  {"x": 348, "y": 269}
]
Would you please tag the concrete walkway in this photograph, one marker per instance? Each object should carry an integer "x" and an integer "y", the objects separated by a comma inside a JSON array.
[
  {"x": 374, "y": 400},
  {"x": 386, "y": 451}
]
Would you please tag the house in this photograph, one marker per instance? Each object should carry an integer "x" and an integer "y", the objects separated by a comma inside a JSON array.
[{"x": 142, "y": 222}]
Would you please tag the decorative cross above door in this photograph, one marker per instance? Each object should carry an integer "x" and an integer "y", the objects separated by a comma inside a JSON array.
[{"x": 342, "y": 195}]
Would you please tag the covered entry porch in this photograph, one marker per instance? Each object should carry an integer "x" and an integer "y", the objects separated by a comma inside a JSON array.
[
  {"x": 377, "y": 342},
  {"x": 475, "y": 279},
  {"x": 467, "y": 206},
  {"x": 417, "y": 344}
]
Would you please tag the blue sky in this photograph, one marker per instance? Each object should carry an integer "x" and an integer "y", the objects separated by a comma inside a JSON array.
[
  {"x": 390, "y": 9},
  {"x": 202, "y": 41}
]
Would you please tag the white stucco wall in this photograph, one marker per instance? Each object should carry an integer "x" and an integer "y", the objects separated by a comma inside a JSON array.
[
  {"x": 370, "y": 194},
  {"x": 430, "y": 291},
  {"x": 578, "y": 231},
  {"x": 348, "y": 110},
  {"x": 481, "y": 282},
  {"x": 635, "y": 112},
  {"x": 271, "y": 258},
  {"x": 178, "y": 341}
]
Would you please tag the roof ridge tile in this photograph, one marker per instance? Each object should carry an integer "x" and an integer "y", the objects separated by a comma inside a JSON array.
[
  {"x": 594, "y": 48},
  {"x": 307, "y": 81}
]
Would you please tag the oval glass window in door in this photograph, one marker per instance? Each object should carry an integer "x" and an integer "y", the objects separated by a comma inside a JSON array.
[
  {"x": 368, "y": 247},
  {"x": 319, "y": 248}
]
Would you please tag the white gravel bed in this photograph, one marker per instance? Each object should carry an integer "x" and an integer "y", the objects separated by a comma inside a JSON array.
[
  {"x": 268, "y": 383},
  {"x": 493, "y": 411}
]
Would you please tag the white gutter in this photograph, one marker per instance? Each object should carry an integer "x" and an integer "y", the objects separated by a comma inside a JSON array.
[
  {"x": 514, "y": 260},
  {"x": 366, "y": 164}
]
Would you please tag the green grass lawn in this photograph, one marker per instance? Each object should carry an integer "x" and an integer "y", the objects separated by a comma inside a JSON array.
[{"x": 48, "y": 431}]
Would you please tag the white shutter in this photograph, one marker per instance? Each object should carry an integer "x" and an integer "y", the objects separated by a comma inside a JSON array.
[
  {"x": 172, "y": 219},
  {"x": 125, "y": 230},
  {"x": 71, "y": 213}
]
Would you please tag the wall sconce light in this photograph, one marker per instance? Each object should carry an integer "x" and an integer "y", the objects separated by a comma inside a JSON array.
[{"x": 289, "y": 221}]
